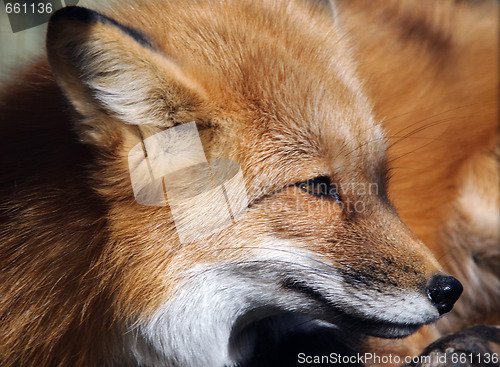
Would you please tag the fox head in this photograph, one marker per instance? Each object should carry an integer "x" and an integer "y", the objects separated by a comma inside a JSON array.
[{"x": 272, "y": 86}]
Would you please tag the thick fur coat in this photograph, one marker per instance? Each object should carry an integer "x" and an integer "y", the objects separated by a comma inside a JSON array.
[{"x": 399, "y": 95}]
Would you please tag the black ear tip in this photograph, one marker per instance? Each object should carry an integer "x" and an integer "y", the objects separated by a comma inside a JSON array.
[
  {"x": 87, "y": 16},
  {"x": 75, "y": 13}
]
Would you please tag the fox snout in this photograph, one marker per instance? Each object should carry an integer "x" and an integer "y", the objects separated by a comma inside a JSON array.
[
  {"x": 375, "y": 273},
  {"x": 444, "y": 291}
]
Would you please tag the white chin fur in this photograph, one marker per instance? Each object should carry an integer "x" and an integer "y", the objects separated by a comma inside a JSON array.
[{"x": 196, "y": 326}]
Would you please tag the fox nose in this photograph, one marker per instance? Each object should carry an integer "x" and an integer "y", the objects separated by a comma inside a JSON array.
[{"x": 443, "y": 291}]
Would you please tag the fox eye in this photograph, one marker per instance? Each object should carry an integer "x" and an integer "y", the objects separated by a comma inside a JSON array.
[{"x": 320, "y": 186}]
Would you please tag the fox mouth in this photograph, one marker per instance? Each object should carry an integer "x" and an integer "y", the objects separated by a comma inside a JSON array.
[
  {"x": 382, "y": 329},
  {"x": 351, "y": 321}
]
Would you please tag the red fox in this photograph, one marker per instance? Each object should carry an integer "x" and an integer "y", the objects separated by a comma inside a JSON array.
[
  {"x": 431, "y": 71},
  {"x": 339, "y": 128}
]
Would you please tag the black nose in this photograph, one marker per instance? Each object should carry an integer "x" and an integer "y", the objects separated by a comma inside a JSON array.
[{"x": 443, "y": 291}]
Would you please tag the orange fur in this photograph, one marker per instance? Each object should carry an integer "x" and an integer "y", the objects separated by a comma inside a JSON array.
[
  {"x": 432, "y": 72},
  {"x": 272, "y": 85}
]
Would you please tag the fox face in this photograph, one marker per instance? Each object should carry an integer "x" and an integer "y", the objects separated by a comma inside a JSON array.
[{"x": 271, "y": 86}]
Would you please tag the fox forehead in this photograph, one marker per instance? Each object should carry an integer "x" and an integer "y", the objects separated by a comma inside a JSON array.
[{"x": 283, "y": 87}]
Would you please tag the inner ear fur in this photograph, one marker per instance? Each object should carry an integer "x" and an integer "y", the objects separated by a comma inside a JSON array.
[{"x": 104, "y": 67}]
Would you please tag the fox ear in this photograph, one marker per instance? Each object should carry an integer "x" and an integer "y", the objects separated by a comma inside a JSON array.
[{"x": 105, "y": 67}]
